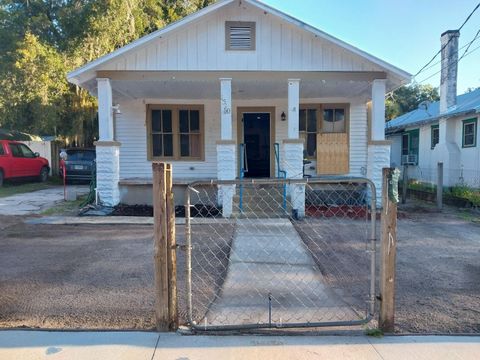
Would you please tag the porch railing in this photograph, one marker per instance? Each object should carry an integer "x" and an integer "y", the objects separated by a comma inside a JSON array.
[
  {"x": 281, "y": 174},
  {"x": 243, "y": 170}
]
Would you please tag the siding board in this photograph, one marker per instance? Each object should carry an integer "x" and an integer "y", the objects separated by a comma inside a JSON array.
[{"x": 281, "y": 46}]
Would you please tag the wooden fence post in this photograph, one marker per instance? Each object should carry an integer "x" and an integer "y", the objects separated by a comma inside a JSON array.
[
  {"x": 164, "y": 227},
  {"x": 172, "y": 252},
  {"x": 440, "y": 185},
  {"x": 388, "y": 255}
]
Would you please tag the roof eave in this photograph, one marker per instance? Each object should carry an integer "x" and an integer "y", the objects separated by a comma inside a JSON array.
[{"x": 393, "y": 129}]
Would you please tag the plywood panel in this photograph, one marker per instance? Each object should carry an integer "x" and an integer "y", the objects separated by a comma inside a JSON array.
[{"x": 332, "y": 154}]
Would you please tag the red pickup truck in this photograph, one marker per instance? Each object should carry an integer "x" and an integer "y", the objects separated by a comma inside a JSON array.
[{"x": 18, "y": 161}]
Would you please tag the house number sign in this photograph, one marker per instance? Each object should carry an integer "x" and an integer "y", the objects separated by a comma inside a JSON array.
[{"x": 226, "y": 108}]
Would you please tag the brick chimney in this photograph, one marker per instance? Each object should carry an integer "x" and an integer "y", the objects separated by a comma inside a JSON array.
[{"x": 448, "y": 80}]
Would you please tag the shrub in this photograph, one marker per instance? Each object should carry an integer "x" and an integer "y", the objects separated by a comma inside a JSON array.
[{"x": 467, "y": 193}]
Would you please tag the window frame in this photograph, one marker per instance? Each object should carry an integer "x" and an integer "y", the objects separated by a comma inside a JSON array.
[
  {"x": 475, "y": 132},
  {"x": 432, "y": 129},
  {"x": 346, "y": 110},
  {"x": 175, "y": 109},
  {"x": 410, "y": 134},
  {"x": 253, "y": 34},
  {"x": 320, "y": 107}
]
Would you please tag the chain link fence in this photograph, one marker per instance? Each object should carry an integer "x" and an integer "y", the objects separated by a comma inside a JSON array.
[{"x": 280, "y": 253}]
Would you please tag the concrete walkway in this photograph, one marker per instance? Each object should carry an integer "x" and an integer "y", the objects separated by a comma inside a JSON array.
[
  {"x": 268, "y": 258},
  {"x": 36, "y": 202},
  {"x": 30, "y": 345}
]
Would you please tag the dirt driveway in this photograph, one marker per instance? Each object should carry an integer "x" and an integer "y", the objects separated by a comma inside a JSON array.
[{"x": 82, "y": 276}]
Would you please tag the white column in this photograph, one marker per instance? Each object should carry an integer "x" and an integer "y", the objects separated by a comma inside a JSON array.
[
  {"x": 107, "y": 149},
  {"x": 226, "y": 108},
  {"x": 293, "y": 108},
  {"x": 226, "y": 149},
  {"x": 293, "y": 149},
  {"x": 105, "y": 113},
  {"x": 378, "y": 109}
]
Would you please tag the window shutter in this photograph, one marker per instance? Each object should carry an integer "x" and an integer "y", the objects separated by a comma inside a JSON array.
[{"x": 240, "y": 35}]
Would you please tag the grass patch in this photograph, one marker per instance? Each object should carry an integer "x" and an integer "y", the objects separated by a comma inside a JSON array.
[
  {"x": 376, "y": 333},
  {"x": 469, "y": 216},
  {"x": 66, "y": 207},
  {"x": 10, "y": 188}
]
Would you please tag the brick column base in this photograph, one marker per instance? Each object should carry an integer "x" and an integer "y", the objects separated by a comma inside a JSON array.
[{"x": 108, "y": 172}]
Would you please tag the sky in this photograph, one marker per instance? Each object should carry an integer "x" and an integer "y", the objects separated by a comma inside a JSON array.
[{"x": 405, "y": 33}]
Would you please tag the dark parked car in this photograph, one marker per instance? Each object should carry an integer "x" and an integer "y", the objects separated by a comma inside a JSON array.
[{"x": 79, "y": 164}]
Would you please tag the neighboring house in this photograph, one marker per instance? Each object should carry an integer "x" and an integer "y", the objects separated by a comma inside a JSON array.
[
  {"x": 237, "y": 75},
  {"x": 444, "y": 131}
]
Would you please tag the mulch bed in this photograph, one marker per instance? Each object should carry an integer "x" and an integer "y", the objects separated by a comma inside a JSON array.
[{"x": 203, "y": 211}]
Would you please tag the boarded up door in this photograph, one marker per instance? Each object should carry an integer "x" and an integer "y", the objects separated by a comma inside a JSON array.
[{"x": 332, "y": 154}]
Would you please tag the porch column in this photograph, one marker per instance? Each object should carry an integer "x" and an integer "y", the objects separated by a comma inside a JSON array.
[
  {"x": 107, "y": 149},
  {"x": 378, "y": 148},
  {"x": 293, "y": 149},
  {"x": 226, "y": 149}
]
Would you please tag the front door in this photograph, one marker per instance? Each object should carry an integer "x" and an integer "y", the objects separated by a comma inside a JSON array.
[{"x": 256, "y": 132}]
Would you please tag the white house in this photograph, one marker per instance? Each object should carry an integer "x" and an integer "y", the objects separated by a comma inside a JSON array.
[
  {"x": 238, "y": 77},
  {"x": 444, "y": 131}
]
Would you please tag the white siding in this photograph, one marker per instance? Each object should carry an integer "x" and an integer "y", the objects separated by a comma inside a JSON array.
[
  {"x": 468, "y": 168},
  {"x": 358, "y": 139},
  {"x": 131, "y": 133},
  {"x": 279, "y": 46}
]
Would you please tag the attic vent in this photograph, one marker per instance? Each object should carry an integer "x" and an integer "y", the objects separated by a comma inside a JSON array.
[{"x": 240, "y": 35}]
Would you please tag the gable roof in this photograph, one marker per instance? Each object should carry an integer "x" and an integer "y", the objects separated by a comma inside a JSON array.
[
  {"x": 468, "y": 103},
  {"x": 73, "y": 76}
]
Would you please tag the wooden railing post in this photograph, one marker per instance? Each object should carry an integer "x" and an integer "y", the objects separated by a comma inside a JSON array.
[
  {"x": 164, "y": 246},
  {"x": 388, "y": 255}
]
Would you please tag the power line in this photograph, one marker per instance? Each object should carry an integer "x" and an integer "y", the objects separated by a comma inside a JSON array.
[
  {"x": 448, "y": 42},
  {"x": 463, "y": 47},
  {"x": 447, "y": 65},
  {"x": 471, "y": 42},
  {"x": 466, "y": 53}
]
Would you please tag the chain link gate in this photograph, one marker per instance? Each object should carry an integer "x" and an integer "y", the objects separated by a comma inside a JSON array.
[{"x": 280, "y": 253}]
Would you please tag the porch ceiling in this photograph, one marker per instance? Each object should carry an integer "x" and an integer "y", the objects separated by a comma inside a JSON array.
[{"x": 245, "y": 85}]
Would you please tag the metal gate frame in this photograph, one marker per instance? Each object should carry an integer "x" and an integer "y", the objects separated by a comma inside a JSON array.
[{"x": 370, "y": 249}]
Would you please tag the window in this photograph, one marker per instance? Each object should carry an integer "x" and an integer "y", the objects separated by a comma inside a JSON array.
[
  {"x": 435, "y": 135},
  {"x": 80, "y": 155},
  {"x": 27, "y": 153},
  {"x": 333, "y": 120},
  {"x": 405, "y": 144},
  {"x": 15, "y": 150},
  {"x": 2, "y": 152},
  {"x": 410, "y": 146},
  {"x": 175, "y": 132},
  {"x": 240, "y": 35},
  {"x": 314, "y": 119},
  {"x": 308, "y": 130},
  {"x": 469, "y": 133}
]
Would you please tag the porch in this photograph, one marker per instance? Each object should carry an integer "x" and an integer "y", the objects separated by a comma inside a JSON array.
[{"x": 240, "y": 124}]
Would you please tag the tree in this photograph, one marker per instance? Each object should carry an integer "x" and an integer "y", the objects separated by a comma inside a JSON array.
[
  {"x": 42, "y": 40},
  {"x": 407, "y": 98}
]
